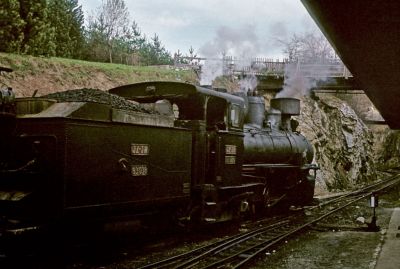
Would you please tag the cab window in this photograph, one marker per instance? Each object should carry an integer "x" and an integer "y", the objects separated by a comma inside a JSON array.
[
  {"x": 216, "y": 113},
  {"x": 235, "y": 116}
]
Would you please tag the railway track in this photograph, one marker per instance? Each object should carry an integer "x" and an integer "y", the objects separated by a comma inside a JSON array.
[
  {"x": 376, "y": 187},
  {"x": 238, "y": 250}
]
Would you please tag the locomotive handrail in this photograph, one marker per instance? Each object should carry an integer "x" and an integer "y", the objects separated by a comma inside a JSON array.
[
  {"x": 271, "y": 165},
  {"x": 19, "y": 169},
  {"x": 311, "y": 166}
]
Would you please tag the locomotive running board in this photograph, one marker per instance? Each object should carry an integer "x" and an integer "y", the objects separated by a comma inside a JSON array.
[
  {"x": 20, "y": 231},
  {"x": 271, "y": 165}
]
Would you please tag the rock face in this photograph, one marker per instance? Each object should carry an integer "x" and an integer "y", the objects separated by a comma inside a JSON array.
[
  {"x": 342, "y": 142},
  {"x": 386, "y": 147}
]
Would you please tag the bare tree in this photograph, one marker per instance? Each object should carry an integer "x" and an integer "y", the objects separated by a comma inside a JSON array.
[
  {"x": 308, "y": 47},
  {"x": 113, "y": 20}
]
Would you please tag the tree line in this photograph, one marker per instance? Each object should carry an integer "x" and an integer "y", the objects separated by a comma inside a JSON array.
[
  {"x": 57, "y": 28},
  {"x": 309, "y": 47}
]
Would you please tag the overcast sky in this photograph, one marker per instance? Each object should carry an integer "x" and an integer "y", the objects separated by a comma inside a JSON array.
[{"x": 208, "y": 25}]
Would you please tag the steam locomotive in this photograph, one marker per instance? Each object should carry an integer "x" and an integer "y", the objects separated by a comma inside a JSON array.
[{"x": 202, "y": 156}]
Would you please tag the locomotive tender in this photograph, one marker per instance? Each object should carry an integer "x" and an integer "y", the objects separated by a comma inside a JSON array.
[{"x": 205, "y": 156}]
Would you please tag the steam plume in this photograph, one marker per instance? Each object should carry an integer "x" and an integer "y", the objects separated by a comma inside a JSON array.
[
  {"x": 242, "y": 43},
  {"x": 296, "y": 84}
]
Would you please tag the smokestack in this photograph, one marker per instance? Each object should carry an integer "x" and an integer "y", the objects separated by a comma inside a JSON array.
[
  {"x": 288, "y": 107},
  {"x": 256, "y": 110}
]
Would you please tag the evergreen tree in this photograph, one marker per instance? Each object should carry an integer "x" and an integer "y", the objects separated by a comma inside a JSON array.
[
  {"x": 77, "y": 27},
  {"x": 39, "y": 36},
  {"x": 96, "y": 41},
  {"x": 66, "y": 17},
  {"x": 137, "y": 41},
  {"x": 11, "y": 26},
  {"x": 159, "y": 54}
]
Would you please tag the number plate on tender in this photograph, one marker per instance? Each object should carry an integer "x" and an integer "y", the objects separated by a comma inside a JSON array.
[
  {"x": 139, "y": 170},
  {"x": 140, "y": 149},
  {"x": 230, "y": 149},
  {"x": 230, "y": 159}
]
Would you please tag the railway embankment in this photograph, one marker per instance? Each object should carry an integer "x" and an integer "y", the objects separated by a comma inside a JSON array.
[{"x": 48, "y": 75}]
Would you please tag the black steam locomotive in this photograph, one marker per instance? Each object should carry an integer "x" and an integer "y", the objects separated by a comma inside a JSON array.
[{"x": 202, "y": 156}]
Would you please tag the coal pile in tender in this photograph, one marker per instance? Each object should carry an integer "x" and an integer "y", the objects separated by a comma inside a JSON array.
[{"x": 96, "y": 96}]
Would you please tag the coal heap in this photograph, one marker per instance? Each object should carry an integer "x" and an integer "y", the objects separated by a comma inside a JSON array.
[{"x": 95, "y": 96}]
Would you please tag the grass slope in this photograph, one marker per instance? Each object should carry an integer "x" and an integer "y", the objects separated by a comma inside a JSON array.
[{"x": 49, "y": 75}]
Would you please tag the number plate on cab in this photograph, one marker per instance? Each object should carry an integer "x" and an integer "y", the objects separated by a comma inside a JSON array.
[
  {"x": 140, "y": 149},
  {"x": 230, "y": 149},
  {"x": 139, "y": 170}
]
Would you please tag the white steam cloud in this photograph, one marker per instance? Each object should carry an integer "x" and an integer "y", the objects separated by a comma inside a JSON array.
[
  {"x": 300, "y": 78},
  {"x": 295, "y": 84},
  {"x": 240, "y": 43},
  {"x": 248, "y": 83}
]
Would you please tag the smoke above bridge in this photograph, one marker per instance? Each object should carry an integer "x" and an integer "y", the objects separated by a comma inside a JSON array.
[
  {"x": 242, "y": 42},
  {"x": 233, "y": 50},
  {"x": 296, "y": 84}
]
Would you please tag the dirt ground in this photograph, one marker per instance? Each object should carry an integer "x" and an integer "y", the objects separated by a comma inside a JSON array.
[{"x": 331, "y": 249}]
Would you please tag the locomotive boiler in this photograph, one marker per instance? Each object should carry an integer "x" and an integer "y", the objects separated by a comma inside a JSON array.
[
  {"x": 276, "y": 152},
  {"x": 186, "y": 151}
]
